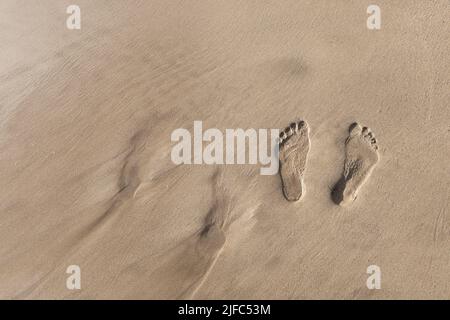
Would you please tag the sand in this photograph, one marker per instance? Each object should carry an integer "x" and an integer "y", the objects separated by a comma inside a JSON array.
[{"x": 86, "y": 176}]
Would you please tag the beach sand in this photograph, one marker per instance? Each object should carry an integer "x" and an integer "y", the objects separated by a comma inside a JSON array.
[{"x": 86, "y": 176}]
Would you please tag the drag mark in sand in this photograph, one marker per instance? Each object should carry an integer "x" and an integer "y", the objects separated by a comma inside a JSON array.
[
  {"x": 187, "y": 265},
  {"x": 210, "y": 240}
]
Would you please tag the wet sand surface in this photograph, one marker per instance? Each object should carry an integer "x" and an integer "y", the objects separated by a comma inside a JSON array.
[{"x": 86, "y": 176}]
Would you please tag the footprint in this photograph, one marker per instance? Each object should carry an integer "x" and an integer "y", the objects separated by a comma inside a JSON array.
[
  {"x": 294, "y": 148},
  {"x": 361, "y": 156}
]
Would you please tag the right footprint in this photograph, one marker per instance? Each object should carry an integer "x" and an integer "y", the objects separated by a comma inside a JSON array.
[{"x": 361, "y": 156}]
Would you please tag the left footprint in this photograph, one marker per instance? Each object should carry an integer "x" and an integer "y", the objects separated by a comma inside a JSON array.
[{"x": 294, "y": 148}]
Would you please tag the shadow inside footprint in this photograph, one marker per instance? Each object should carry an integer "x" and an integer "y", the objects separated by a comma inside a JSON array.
[{"x": 337, "y": 195}]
